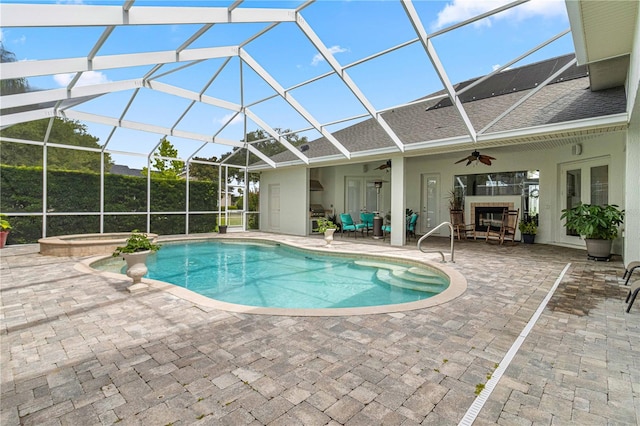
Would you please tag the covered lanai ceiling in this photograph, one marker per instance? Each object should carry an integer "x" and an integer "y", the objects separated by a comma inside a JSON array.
[{"x": 204, "y": 74}]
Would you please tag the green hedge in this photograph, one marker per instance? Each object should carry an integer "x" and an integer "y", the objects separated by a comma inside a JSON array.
[{"x": 72, "y": 191}]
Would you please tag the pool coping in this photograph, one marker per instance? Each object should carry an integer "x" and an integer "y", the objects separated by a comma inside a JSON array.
[{"x": 457, "y": 283}]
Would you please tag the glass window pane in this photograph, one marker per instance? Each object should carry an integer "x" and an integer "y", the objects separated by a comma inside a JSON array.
[
  {"x": 574, "y": 193},
  {"x": 600, "y": 185}
]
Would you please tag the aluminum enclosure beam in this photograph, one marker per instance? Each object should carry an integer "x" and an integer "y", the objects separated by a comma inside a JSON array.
[
  {"x": 66, "y": 15},
  {"x": 331, "y": 60},
  {"x": 70, "y": 65}
]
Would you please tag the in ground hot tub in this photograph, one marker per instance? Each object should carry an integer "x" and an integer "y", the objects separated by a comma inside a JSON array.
[{"x": 85, "y": 244}]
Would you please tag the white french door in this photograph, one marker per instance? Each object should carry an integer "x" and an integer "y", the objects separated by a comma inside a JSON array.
[
  {"x": 360, "y": 195},
  {"x": 582, "y": 182},
  {"x": 430, "y": 200}
]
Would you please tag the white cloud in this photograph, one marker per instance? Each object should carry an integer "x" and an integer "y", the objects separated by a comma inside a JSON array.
[
  {"x": 459, "y": 10},
  {"x": 237, "y": 119},
  {"x": 86, "y": 79},
  {"x": 495, "y": 67},
  {"x": 333, "y": 49}
]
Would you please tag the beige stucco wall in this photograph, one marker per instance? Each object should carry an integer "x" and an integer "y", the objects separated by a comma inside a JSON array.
[
  {"x": 294, "y": 200},
  {"x": 632, "y": 179},
  {"x": 548, "y": 161}
]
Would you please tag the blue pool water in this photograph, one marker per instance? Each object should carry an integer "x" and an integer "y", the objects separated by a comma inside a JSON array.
[{"x": 267, "y": 275}]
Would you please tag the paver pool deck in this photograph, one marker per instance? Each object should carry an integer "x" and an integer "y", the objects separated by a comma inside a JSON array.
[{"x": 79, "y": 349}]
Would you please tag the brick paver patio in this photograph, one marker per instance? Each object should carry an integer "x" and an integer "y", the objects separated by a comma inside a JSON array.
[{"x": 79, "y": 349}]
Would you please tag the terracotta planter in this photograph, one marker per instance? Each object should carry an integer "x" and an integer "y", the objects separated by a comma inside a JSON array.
[{"x": 3, "y": 238}]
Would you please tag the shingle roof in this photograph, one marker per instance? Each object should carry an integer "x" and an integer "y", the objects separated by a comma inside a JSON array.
[{"x": 567, "y": 98}]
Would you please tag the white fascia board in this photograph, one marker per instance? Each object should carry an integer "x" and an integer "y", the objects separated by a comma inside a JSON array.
[
  {"x": 70, "y": 65},
  {"x": 346, "y": 79},
  {"x": 253, "y": 64},
  {"x": 189, "y": 94},
  {"x": 65, "y": 15},
  {"x": 276, "y": 136},
  {"x": 456, "y": 140},
  {"x": 564, "y": 127},
  {"x": 23, "y": 117},
  {"x": 31, "y": 98},
  {"x": 574, "y": 12}
]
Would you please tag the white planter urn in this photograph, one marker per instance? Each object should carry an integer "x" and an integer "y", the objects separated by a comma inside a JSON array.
[
  {"x": 136, "y": 267},
  {"x": 328, "y": 236}
]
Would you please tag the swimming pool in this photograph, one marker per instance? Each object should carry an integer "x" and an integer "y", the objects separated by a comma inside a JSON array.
[{"x": 257, "y": 274}]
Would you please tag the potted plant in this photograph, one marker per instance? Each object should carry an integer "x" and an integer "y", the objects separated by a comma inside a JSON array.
[
  {"x": 135, "y": 252},
  {"x": 328, "y": 228},
  {"x": 598, "y": 225},
  {"x": 5, "y": 226},
  {"x": 528, "y": 230},
  {"x": 456, "y": 199}
]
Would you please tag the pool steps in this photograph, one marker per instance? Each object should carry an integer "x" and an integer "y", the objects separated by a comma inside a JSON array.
[{"x": 412, "y": 278}]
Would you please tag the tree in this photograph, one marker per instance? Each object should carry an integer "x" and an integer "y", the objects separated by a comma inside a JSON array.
[
  {"x": 64, "y": 132},
  {"x": 204, "y": 171},
  {"x": 167, "y": 169},
  {"x": 268, "y": 147},
  {"x": 12, "y": 85}
]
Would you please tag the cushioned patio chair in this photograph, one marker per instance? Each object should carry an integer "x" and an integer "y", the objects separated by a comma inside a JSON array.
[
  {"x": 411, "y": 225},
  {"x": 367, "y": 220},
  {"x": 349, "y": 226},
  {"x": 386, "y": 229}
]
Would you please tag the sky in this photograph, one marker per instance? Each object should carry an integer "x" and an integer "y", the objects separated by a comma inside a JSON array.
[{"x": 351, "y": 30}]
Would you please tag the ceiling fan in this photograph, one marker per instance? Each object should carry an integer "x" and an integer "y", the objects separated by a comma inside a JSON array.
[
  {"x": 385, "y": 166},
  {"x": 476, "y": 156}
]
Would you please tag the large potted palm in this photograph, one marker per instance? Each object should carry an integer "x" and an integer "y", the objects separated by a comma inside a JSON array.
[{"x": 598, "y": 225}]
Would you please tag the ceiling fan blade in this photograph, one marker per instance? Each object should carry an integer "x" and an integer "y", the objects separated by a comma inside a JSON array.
[
  {"x": 460, "y": 161},
  {"x": 469, "y": 162},
  {"x": 485, "y": 160}
]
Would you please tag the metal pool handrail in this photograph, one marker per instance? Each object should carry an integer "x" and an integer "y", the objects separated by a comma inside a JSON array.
[{"x": 438, "y": 251}]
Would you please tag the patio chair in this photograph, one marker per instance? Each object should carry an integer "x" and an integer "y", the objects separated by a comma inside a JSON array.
[
  {"x": 633, "y": 292},
  {"x": 411, "y": 225},
  {"x": 459, "y": 227},
  {"x": 367, "y": 220},
  {"x": 507, "y": 229},
  {"x": 349, "y": 226},
  {"x": 386, "y": 229},
  {"x": 628, "y": 271}
]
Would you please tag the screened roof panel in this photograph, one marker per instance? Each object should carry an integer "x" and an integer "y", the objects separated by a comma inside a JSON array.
[{"x": 285, "y": 65}]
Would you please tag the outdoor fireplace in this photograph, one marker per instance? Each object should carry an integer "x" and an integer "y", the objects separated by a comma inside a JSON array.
[
  {"x": 483, "y": 215},
  {"x": 488, "y": 218}
]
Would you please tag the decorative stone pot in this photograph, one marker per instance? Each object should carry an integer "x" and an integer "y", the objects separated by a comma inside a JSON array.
[
  {"x": 328, "y": 236},
  {"x": 598, "y": 249},
  {"x": 136, "y": 265},
  {"x": 222, "y": 229},
  {"x": 528, "y": 238}
]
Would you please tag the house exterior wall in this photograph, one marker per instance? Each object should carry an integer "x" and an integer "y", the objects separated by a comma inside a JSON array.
[
  {"x": 294, "y": 200},
  {"x": 547, "y": 161},
  {"x": 632, "y": 179}
]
